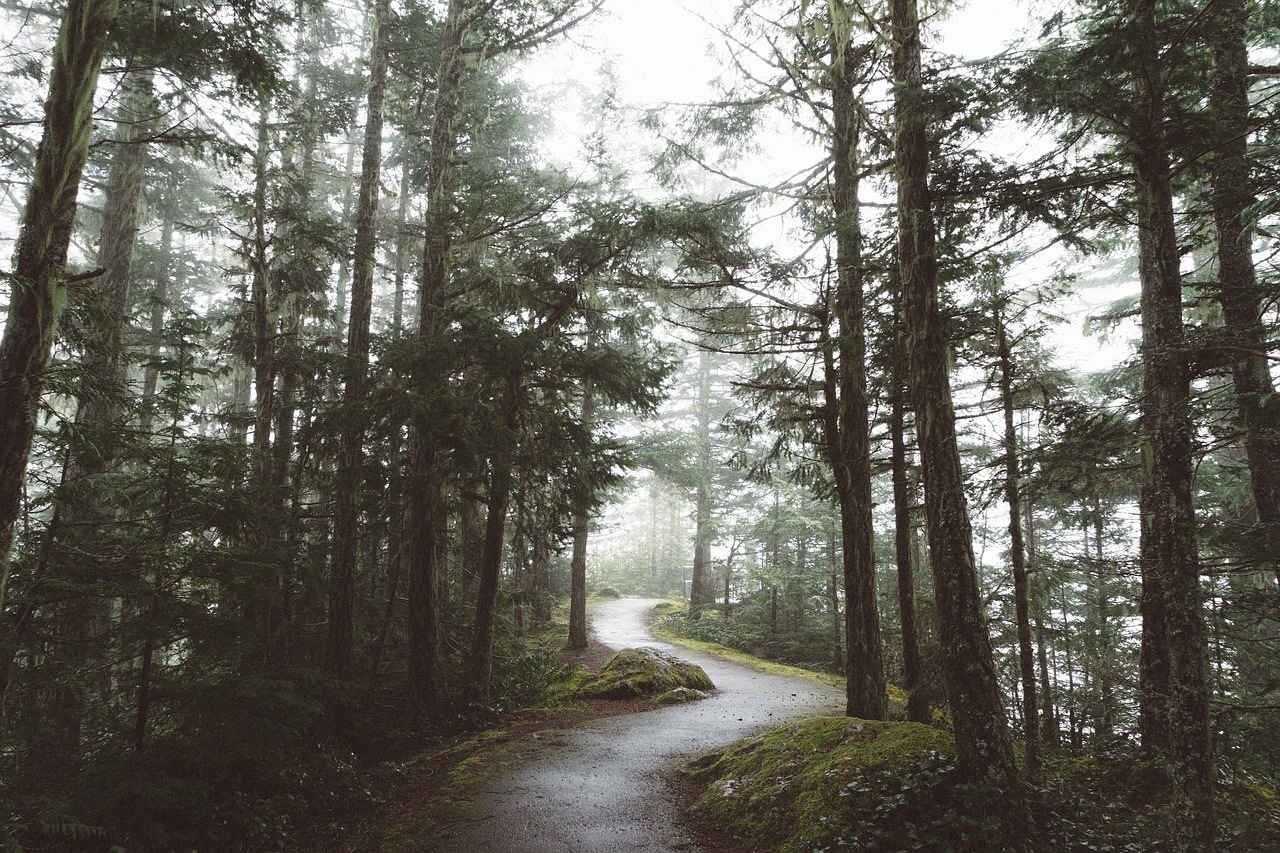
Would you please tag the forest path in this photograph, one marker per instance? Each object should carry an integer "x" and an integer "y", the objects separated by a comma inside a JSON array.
[{"x": 599, "y": 788}]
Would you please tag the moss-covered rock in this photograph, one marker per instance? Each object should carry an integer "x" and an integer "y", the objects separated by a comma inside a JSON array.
[
  {"x": 777, "y": 791},
  {"x": 644, "y": 671},
  {"x": 608, "y": 592},
  {"x": 680, "y": 695}
]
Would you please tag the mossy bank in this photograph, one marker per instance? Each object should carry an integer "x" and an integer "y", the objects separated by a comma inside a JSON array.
[{"x": 837, "y": 783}]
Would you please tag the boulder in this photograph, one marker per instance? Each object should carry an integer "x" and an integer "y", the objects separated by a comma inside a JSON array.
[
  {"x": 644, "y": 671},
  {"x": 680, "y": 695}
]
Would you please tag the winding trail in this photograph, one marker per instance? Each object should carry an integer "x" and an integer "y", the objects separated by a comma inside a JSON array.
[{"x": 599, "y": 788}]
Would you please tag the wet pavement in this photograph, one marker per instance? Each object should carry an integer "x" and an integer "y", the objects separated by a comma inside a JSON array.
[{"x": 600, "y": 788}]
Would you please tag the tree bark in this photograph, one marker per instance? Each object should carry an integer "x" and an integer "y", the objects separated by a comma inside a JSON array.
[
  {"x": 490, "y": 565},
  {"x": 982, "y": 737},
  {"x": 904, "y": 500},
  {"x": 701, "y": 594},
  {"x": 1050, "y": 734},
  {"x": 39, "y": 269},
  {"x": 848, "y": 431},
  {"x": 1017, "y": 557},
  {"x": 350, "y": 479},
  {"x": 1241, "y": 297},
  {"x": 159, "y": 301},
  {"x": 426, "y": 489},
  {"x": 1174, "y": 676},
  {"x": 578, "y": 562}
]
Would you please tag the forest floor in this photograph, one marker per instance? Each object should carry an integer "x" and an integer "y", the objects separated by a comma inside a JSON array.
[{"x": 596, "y": 776}]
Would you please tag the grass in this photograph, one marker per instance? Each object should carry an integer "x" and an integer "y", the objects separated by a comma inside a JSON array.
[{"x": 668, "y": 608}]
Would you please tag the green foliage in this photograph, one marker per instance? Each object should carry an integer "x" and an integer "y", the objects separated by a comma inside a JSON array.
[
  {"x": 924, "y": 805},
  {"x": 799, "y": 638}
]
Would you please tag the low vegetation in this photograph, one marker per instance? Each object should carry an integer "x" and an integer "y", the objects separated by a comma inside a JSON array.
[{"x": 838, "y": 783}]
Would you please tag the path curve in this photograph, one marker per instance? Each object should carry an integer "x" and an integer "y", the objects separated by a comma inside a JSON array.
[{"x": 599, "y": 788}]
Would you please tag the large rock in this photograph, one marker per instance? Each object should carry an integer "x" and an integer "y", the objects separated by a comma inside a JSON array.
[{"x": 645, "y": 671}]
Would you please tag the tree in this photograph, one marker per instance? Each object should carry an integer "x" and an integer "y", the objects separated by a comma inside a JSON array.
[
  {"x": 1017, "y": 551},
  {"x": 355, "y": 388},
  {"x": 1175, "y": 714},
  {"x": 982, "y": 737},
  {"x": 847, "y": 419},
  {"x": 496, "y": 32},
  {"x": 1238, "y": 289},
  {"x": 701, "y": 591},
  {"x": 39, "y": 270}
]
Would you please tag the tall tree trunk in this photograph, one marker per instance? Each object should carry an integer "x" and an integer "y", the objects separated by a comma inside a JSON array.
[
  {"x": 350, "y": 481},
  {"x": 426, "y": 489},
  {"x": 39, "y": 270},
  {"x": 469, "y": 533},
  {"x": 1174, "y": 685},
  {"x": 578, "y": 563},
  {"x": 402, "y": 249},
  {"x": 700, "y": 592},
  {"x": 973, "y": 689},
  {"x": 1106, "y": 682},
  {"x": 490, "y": 564},
  {"x": 260, "y": 609},
  {"x": 1017, "y": 557},
  {"x": 833, "y": 593},
  {"x": 848, "y": 430},
  {"x": 541, "y": 571},
  {"x": 1049, "y": 732},
  {"x": 904, "y": 500},
  {"x": 1241, "y": 298},
  {"x": 160, "y": 297}
]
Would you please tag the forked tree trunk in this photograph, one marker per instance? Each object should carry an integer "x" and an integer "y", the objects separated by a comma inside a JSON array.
[
  {"x": 490, "y": 564},
  {"x": 983, "y": 745}
]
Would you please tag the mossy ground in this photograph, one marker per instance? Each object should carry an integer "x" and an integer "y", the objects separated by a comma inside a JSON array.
[
  {"x": 668, "y": 608},
  {"x": 840, "y": 783},
  {"x": 775, "y": 791}
]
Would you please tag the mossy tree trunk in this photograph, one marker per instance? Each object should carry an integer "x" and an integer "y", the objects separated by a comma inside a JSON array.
[{"x": 38, "y": 282}]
